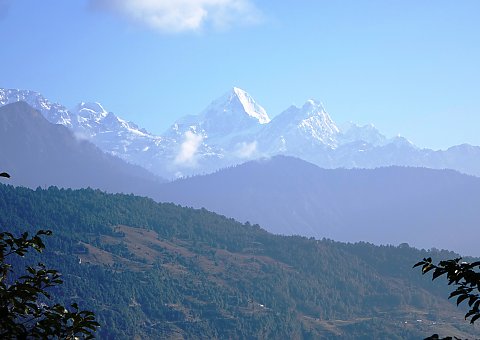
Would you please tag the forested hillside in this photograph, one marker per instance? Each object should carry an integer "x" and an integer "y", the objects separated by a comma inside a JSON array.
[
  {"x": 160, "y": 270},
  {"x": 392, "y": 205}
]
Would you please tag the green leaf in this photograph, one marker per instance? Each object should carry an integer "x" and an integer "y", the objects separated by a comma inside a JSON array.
[
  {"x": 426, "y": 268},
  {"x": 418, "y": 264},
  {"x": 438, "y": 272},
  {"x": 472, "y": 300},
  {"x": 455, "y": 293},
  {"x": 470, "y": 313},
  {"x": 475, "y": 318},
  {"x": 461, "y": 298}
]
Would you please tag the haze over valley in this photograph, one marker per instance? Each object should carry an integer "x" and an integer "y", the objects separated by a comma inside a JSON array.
[
  {"x": 390, "y": 205},
  {"x": 238, "y": 169}
]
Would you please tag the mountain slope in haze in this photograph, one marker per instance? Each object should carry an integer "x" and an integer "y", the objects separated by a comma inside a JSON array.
[
  {"x": 152, "y": 270},
  {"x": 423, "y": 207},
  {"x": 90, "y": 121},
  {"x": 234, "y": 128},
  {"x": 38, "y": 153}
]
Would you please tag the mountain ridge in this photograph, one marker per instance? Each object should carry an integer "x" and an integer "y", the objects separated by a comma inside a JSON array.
[
  {"x": 38, "y": 153},
  {"x": 152, "y": 270},
  {"x": 390, "y": 205},
  {"x": 234, "y": 129}
]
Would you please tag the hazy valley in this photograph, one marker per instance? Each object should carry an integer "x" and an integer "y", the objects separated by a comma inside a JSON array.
[
  {"x": 158, "y": 269},
  {"x": 239, "y": 169}
]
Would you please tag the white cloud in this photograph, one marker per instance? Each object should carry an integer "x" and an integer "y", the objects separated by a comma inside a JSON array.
[
  {"x": 183, "y": 15},
  {"x": 82, "y": 136},
  {"x": 246, "y": 150},
  {"x": 188, "y": 149}
]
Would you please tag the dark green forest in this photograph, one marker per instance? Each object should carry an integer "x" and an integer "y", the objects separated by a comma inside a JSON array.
[{"x": 156, "y": 270}]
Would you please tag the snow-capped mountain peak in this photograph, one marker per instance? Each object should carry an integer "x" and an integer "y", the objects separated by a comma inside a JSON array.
[
  {"x": 236, "y": 103},
  {"x": 314, "y": 111},
  {"x": 314, "y": 108},
  {"x": 368, "y": 133},
  {"x": 313, "y": 105},
  {"x": 99, "y": 124},
  {"x": 317, "y": 123},
  {"x": 400, "y": 141},
  {"x": 90, "y": 110},
  {"x": 234, "y": 128},
  {"x": 54, "y": 112},
  {"x": 233, "y": 113},
  {"x": 313, "y": 119},
  {"x": 92, "y": 118},
  {"x": 250, "y": 106},
  {"x": 300, "y": 128}
]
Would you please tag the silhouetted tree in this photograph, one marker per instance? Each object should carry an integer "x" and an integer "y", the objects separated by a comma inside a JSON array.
[
  {"x": 24, "y": 309},
  {"x": 464, "y": 276}
]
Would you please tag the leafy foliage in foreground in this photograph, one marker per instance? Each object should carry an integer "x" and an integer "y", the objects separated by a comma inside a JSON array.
[
  {"x": 24, "y": 309},
  {"x": 159, "y": 270},
  {"x": 462, "y": 275}
]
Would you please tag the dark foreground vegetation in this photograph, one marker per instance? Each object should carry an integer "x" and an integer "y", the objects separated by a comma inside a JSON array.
[
  {"x": 26, "y": 307},
  {"x": 160, "y": 270}
]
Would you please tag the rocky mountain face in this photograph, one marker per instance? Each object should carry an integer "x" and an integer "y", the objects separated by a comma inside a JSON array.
[
  {"x": 38, "y": 153},
  {"x": 234, "y": 129}
]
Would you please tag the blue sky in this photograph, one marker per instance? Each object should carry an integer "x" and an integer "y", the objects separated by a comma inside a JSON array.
[{"x": 409, "y": 67}]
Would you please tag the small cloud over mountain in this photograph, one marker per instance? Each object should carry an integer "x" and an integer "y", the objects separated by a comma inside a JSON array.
[
  {"x": 188, "y": 149},
  {"x": 246, "y": 150}
]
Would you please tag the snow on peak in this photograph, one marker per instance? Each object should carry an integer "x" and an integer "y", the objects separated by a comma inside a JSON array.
[
  {"x": 90, "y": 110},
  {"x": 313, "y": 104},
  {"x": 314, "y": 116},
  {"x": 400, "y": 141},
  {"x": 53, "y": 112},
  {"x": 302, "y": 127},
  {"x": 250, "y": 106},
  {"x": 368, "y": 133},
  {"x": 233, "y": 113},
  {"x": 33, "y": 98}
]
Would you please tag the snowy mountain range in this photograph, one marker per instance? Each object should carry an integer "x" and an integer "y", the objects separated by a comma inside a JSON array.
[
  {"x": 38, "y": 153},
  {"x": 234, "y": 129}
]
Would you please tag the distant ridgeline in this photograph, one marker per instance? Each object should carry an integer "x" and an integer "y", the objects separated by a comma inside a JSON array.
[
  {"x": 159, "y": 270},
  {"x": 234, "y": 129},
  {"x": 425, "y": 208}
]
